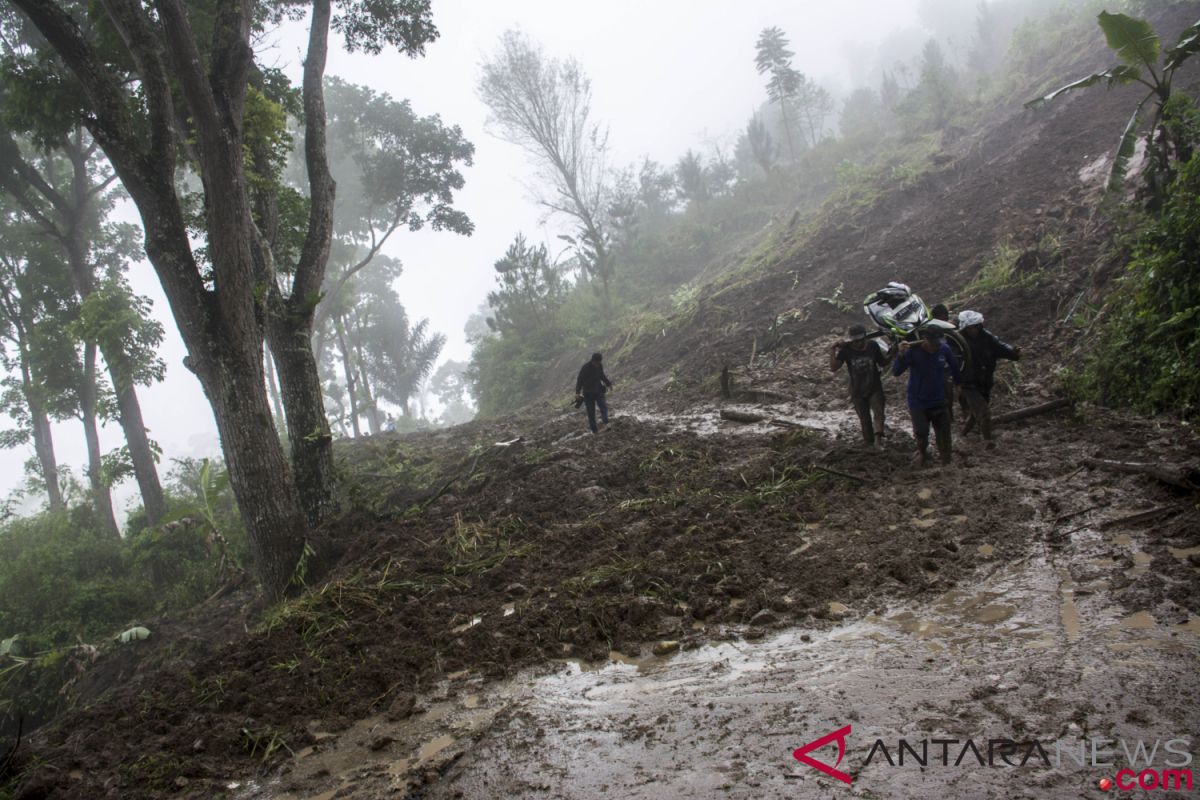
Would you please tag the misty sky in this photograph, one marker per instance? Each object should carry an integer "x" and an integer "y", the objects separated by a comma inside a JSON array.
[{"x": 666, "y": 75}]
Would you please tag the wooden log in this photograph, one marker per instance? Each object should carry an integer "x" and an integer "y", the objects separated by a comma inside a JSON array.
[
  {"x": 1182, "y": 475},
  {"x": 741, "y": 416},
  {"x": 1141, "y": 516},
  {"x": 726, "y": 382},
  {"x": 761, "y": 395},
  {"x": 1031, "y": 411}
]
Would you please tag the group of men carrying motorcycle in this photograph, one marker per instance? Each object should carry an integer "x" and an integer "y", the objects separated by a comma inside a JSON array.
[{"x": 938, "y": 357}]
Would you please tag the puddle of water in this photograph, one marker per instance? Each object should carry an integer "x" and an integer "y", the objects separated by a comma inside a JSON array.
[
  {"x": 986, "y": 550},
  {"x": 838, "y": 609},
  {"x": 1123, "y": 540},
  {"x": 466, "y": 626},
  {"x": 1103, "y": 562},
  {"x": 1141, "y": 621},
  {"x": 1141, "y": 563},
  {"x": 993, "y": 614},
  {"x": 471, "y": 701},
  {"x": 431, "y": 749},
  {"x": 1184, "y": 553},
  {"x": 1069, "y": 613}
]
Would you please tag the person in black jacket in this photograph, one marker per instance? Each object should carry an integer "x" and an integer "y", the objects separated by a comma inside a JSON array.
[
  {"x": 978, "y": 377},
  {"x": 590, "y": 387}
]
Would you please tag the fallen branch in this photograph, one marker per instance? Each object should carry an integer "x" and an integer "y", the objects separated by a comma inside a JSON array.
[
  {"x": 759, "y": 395},
  {"x": 11, "y": 755},
  {"x": 845, "y": 475},
  {"x": 1031, "y": 411},
  {"x": 1182, "y": 475},
  {"x": 1141, "y": 516}
]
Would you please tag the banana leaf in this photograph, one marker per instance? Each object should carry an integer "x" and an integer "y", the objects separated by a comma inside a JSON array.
[
  {"x": 1132, "y": 38},
  {"x": 1126, "y": 148},
  {"x": 1113, "y": 76},
  {"x": 1188, "y": 44}
]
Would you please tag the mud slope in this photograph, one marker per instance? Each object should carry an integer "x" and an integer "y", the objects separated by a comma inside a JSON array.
[{"x": 1031, "y": 180}]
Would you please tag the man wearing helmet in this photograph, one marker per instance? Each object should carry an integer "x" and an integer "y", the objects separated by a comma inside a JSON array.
[{"x": 978, "y": 376}]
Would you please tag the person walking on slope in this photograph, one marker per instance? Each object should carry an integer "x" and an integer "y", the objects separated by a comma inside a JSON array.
[
  {"x": 863, "y": 357},
  {"x": 979, "y": 374},
  {"x": 590, "y": 387},
  {"x": 926, "y": 365}
]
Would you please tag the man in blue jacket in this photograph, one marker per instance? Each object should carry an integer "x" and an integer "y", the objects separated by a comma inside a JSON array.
[{"x": 926, "y": 365}]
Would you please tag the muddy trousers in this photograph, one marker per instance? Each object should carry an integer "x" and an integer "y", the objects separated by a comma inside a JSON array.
[
  {"x": 867, "y": 407},
  {"x": 980, "y": 409},
  {"x": 937, "y": 418},
  {"x": 592, "y": 402}
]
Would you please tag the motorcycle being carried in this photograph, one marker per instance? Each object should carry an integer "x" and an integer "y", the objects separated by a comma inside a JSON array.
[{"x": 900, "y": 315}]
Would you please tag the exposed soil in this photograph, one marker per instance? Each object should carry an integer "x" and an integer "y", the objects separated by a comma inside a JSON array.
[{"x": 472, "y": 636}]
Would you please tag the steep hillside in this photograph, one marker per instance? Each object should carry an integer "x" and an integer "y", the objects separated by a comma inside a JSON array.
[{"x": 507, "y": 595}]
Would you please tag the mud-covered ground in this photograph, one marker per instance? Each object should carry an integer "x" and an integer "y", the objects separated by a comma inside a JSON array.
[{"x": 460, "y": 648}]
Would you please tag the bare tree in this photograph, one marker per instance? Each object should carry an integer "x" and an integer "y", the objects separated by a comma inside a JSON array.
[{"x": 542, "y": 105}]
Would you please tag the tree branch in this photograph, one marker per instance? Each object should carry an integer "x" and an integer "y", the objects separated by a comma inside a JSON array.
[{"x": 314, "y": 255}]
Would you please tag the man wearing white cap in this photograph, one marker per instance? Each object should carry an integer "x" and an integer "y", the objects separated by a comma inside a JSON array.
[{"x": 977, "y": 378}]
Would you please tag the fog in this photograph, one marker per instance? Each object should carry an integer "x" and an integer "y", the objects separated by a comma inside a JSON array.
[{"x": 666, "y": 76}]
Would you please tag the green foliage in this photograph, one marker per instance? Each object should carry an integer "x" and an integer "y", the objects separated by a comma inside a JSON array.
[
  {"x": 1149, "y": 344},
  {"x": 1136, "y": 44}
]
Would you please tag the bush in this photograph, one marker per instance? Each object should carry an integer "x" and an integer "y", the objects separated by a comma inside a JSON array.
[{"x": 1149, "y": 344}]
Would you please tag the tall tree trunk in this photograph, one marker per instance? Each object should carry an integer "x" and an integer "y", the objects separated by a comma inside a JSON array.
[
  {"x": 787, "y": 130},
  {"x": 101, "y": 497},
  {"x": 129, "y": 412},
  {"x": 43, "y": 440},
  {"x": 349, "y": 370},
  {"x": 43, "y": 446},
  {"x": 311, "y": 441},
  {"x": 119, "y": 369},
  {"x": 371, "y": 408},
  {"x": 259, "y": 473},
  {"x": 269, "y": 358}
]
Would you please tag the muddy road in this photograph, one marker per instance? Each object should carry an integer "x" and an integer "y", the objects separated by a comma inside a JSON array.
[{"x": 992, "y": 613}]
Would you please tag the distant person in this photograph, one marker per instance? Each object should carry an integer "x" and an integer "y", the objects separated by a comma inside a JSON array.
[
  {"x": 863, "y": 358},
  {"x": 590, "y": 387},
  {"x": 926, "y": 365},
  {"x": 389, "y": 425},
  {"x": 980, "y": 372}
]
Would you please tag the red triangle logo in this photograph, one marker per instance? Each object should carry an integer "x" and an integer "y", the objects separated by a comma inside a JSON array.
[{"x": 801, "y": 753}]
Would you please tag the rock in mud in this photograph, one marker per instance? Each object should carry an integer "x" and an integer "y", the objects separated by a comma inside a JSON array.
[
  {"x": 764, "y": 617},
  {"x": 516, "y": 590},
  {"x": 402, "y": 707},
  {"x": 665, "y": 647},
  {"x": 590, "y": 493},
  {"x": 380, "y": 742}
]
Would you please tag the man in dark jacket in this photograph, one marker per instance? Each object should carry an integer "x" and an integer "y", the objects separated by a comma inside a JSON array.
[
  {"x": 590, "y": 387},
  {"x": 863, "y": 357},
  {"x": 979, "y": 376},
  {"x": 926, "y": 365}
]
